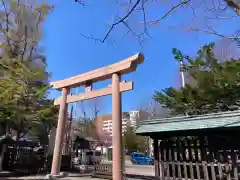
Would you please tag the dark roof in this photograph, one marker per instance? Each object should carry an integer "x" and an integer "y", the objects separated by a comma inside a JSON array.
[
  {"x": 209, "y": 121},
  {"x": 90, "y": 139},
  {"x": 6, "y": 139}
]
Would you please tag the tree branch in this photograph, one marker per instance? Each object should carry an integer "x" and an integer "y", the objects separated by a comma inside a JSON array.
[
  {"x": 128, "y": 14},
  {"x": 233, "y": 5},
  {"x": 6, "y": 32},
  {"x": 213, "y": 10},
  {"x": 25, "y": 43},
  {"x": 37, "y": 27},
  {"x": 121, "y": 20},
  {"x": 168, "y": 12},
  {"x": 213, "y": 32},
  {"x": 144, "y": 18},
  {"x": 80, "y": 2}
]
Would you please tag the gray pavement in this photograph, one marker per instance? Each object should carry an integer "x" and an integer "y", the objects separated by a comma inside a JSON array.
[
  {"x": 72, "y": 176},
  {"x": 147, "y": 170},
  {"x": 144, "y": 170}
]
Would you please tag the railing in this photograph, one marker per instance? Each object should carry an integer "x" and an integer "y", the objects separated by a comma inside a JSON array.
[
  {"x": 197, "y": 158},
  {"x": 102, "y": 171}
]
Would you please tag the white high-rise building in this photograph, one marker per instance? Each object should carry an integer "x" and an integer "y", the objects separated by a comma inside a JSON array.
[
  {"x": 107, "y": 123},
  {"x": 133, "y": 118},
  {"x": 128, "y": 118}
]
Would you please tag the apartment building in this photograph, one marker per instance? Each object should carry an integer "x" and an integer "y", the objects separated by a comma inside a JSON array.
[
  {"x": 133, "y": 118},
  {"x": 105, "y": 122},
  {"x": 128, "y": 118}
]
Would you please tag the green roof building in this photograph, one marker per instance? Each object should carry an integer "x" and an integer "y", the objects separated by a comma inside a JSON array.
[{"x": 195, "y": 147}]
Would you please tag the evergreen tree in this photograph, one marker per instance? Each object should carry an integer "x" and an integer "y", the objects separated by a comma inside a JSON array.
[
  {"x": 216, "y": 85},
  {"x": 23, "y": 77},
  {"x": 133, "y": 142}
]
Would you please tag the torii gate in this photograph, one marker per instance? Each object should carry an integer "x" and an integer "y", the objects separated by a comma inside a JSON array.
[{"x": 113, "y": 71}]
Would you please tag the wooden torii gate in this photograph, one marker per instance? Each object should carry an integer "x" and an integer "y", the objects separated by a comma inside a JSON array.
[{"x": 113, "y": 71}]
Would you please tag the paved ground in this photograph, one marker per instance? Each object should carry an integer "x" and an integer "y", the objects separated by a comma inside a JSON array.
[
  {"x": 136, "y": 169},
  {"x": 42, "y": 177},
  {"x": 139, "y": 169},
  {"x": 147, "y": 170}
]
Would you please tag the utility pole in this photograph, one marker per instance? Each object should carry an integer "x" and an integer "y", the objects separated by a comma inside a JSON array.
[
  {"x": 149, "y": 140},
  {"x": 182, "y": 70}
]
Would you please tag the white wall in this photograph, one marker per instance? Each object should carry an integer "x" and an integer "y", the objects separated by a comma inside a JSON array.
[{"x": 107, "y": 125}]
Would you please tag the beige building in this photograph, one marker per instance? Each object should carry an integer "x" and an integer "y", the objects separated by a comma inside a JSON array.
[
  {"x": 128, "y": 118},
  {"x": 104, "y": 123}
]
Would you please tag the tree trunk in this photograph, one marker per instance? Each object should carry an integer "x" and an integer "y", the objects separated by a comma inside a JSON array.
[
  {"x": 18, "y": 135},
  {"x": 3, "y": 150}
]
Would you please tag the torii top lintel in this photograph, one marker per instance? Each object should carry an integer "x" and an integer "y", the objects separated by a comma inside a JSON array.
[{"x": 122, "y": 67}]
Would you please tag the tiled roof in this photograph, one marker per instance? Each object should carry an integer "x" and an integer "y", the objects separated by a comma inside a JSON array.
[{"x": 216, "y": 120}]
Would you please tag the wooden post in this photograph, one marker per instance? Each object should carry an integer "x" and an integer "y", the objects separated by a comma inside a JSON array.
[
  {"x": 156, "y": 159},
  {"x": 51, "y": 141},
  {"x": 65, "y": 134},
  {"x": 57, "y": 155},
  {"x": 4, "y": 148},
  {"x": 117, "y": 168}
]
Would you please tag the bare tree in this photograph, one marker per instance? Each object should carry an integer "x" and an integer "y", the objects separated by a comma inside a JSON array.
[
  {"x": 21, "y": 26},
  {"x": 225, "y": 50},
  {"x": 89, "y": 112},
  {"x": 154, "y": 109},
  {"x": 203, "y": 16},
  {"x": 90, "y": 109}
]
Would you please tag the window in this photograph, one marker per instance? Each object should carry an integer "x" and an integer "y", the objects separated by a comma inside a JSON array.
[
  {"x": 90, "y": 153},
  {"x": 97, "y": 153},
  {"x": 138, "y": 155}
]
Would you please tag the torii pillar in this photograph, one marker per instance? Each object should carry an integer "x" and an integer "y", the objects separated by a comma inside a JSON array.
[
  {"x": 113, "y": 71},
  {"x": 117, "y": 155},
  {"x": 62, "y": 119}
]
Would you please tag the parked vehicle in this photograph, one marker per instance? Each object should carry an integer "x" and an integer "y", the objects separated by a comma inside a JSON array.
[
  {"x": 139, "y": 158},
  {"x": 94, "y": 157}
]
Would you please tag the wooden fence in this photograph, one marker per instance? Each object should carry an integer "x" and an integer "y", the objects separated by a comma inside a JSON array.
[
  {"x": 102, "y": 171},
  {"x": 199, "y": 158}
]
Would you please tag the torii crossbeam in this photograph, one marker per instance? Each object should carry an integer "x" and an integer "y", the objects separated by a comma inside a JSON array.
[{"x": 113, "y": 71}]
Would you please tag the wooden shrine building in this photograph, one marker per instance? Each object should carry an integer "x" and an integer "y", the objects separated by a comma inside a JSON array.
[{"x": 196, "y": 147}]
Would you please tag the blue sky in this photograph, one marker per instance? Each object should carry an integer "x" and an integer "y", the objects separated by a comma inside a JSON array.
[{"x": 69, "y": 53}]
